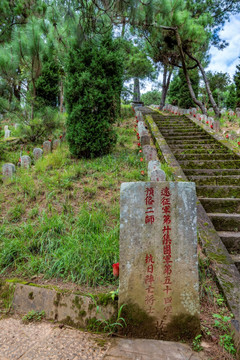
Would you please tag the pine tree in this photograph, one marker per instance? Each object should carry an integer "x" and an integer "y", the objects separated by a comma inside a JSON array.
[
  {"x": 231, "y": 98},
  {"x": 237, "y": 83},
  {"x": 47, "y": 85},
  {"x": 93, "y": 87}
]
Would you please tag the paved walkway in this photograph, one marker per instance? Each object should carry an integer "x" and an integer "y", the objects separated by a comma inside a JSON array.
[
  {"x": 46, "y": 341},
  {"x": 49, "y": 341}
]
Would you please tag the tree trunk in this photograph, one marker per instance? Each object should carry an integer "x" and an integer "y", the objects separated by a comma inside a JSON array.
[
  {"x": 193, "y": 96},
  {"x": 165, "y": 86},
  {"x": 136, "y": 90},
  {"x": 33, "y": 99},
  {"x": 210, "y": 96},
  {"x": 61, "y": 95}
]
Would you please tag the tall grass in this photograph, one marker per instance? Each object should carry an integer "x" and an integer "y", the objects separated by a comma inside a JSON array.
[{"x": 61, "y": 217}]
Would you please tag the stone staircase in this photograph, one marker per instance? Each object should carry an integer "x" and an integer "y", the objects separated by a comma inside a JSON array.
[{"x": 214, "y": 168}]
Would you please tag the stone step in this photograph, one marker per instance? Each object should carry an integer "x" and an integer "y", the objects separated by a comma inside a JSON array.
[
  {"x": 213, "y": 191},
  {"x": 223, "y": 205},
  {"x": 231, "y": 240},
  {"x": 191, "y": 142},
  {"x": 210, "y": 164},
  {"x": 183, "y": 133},
  {"x": 225, "y": 222},
  {"x": 207, "y": 156},
  {"x": 236, "y": 260},
  {"x": 186, "y": 137},
  {"x": 183, "y": 128},
  {"x": 211, "y": 146},
  {"x": 211, "y": 172},
  {"x": 215, "y": 180},
  {"x": 199, "y": 150}
]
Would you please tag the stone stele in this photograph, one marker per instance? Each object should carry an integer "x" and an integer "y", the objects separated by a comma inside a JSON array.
[
  {"x": 56, "y": 144},
  {"x": 149, "y": 153},
  {"x": 37, "y": 153},
  {"x": 47, "y": 147},
  {"x": 8, "y": 170},
  {"x": 158, "y": 258},
  {"x": 158, "y": 175},
  {"x": 25, "y": 161}
]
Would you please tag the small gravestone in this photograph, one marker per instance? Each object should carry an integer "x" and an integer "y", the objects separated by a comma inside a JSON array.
[
  {"x": 5, "y": 127},
  {"x": 194, "y": 111},
  {"x": 149, "y": 153},
  {"x": 210, "y": 109},
  {"x": 210, "y": 121},
  {"x": 56, "y": 144},
  {"x": 231, "y": 113},
  {"x": 158, "y": 258},
  {"x": 16, "y": 126},
  {"x": 237, "y": 109},
  {"x": 37, "y": 153},
  {"x": 216, "y": 126},
  {"x": 158, "y": 175},
  {"x": 25, "y": 161},
  {"x": 238, "y": 114},
  {"x": 8, "y": 170},
  {"x": 145, "y": 140},
  {"x": 7, "y": 134},
  {"x": 47, "y": 147},
  {"x": 142, "y": 129},
  {"x": 153, "y": 165}
]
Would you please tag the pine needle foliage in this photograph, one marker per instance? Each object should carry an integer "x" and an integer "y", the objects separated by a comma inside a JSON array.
[{"x": 93, "y": 87}]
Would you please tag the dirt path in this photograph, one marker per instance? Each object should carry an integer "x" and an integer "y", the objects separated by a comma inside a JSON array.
[{"x": 45, "y": 341}]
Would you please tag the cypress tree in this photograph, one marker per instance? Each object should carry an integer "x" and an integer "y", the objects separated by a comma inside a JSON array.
[
  {"x": 47, "y": 85},
  {"x": 185, "y": 101},
  {"x": 237, "y": 83},
  {"x": 93, "y": 88}
]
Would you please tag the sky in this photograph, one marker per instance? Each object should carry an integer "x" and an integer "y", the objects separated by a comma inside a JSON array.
[
  {"x": 227, "y": 59},
  {"x": 221, "y": 60}
]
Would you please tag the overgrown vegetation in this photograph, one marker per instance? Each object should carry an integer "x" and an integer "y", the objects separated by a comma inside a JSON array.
[{"x": 61, "y": 217}]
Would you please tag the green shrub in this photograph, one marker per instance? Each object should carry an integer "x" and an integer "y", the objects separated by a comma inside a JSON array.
[{"x": 93, "y": 87}]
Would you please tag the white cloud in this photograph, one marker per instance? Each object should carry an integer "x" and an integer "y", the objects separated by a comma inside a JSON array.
[{"x": 227, "y": 59}]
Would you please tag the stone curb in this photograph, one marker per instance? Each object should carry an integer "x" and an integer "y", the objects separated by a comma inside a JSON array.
[
  {"x": 72, "y": 309},
  {"x": 226, "y": 272}
]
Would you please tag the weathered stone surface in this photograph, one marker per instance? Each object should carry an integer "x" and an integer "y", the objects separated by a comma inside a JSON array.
[
  {"x": 210, "y": 109},
  {"x": 7, "y": 134},
  {"x": 238, "y": 114},
  {"x": 37, "y": 153},
  {"x": 5, "y": 127},
  {"x": 142, "y": 129},
  {"x": 153, "y": 165},
  {"x": 80, "y": 309},
  {"x": 8, "y": 170},
  {"x": 66, "y": 307},
  {"x": 56, "y": 144},
  {"x": 139, "y": 115},
  {"x": 216, "y": 125},
  {"x": 25, "y": 161},
  {"x": 27, "y": 298},
  {"x": 149, "y": 153},
  {"x": 145, "y": 140},
  {"x": 47, "y": 147},
  {"x": 158, "y": 256},
  {"x": 210, "y": 121},
  {"x": 142, "y": 349},
  {"x": 231, "y": 113},
  {"x": 158, "y": 175}
]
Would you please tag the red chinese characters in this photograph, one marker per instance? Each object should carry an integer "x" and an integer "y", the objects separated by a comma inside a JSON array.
[
  {"x": 149, "y": 283},
  {"x": 167, "y": 249},
  {"x": 149, "y": 201}
]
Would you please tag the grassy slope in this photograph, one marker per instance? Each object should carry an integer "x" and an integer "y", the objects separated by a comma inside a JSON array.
[{"x": 61, "y": 217}]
